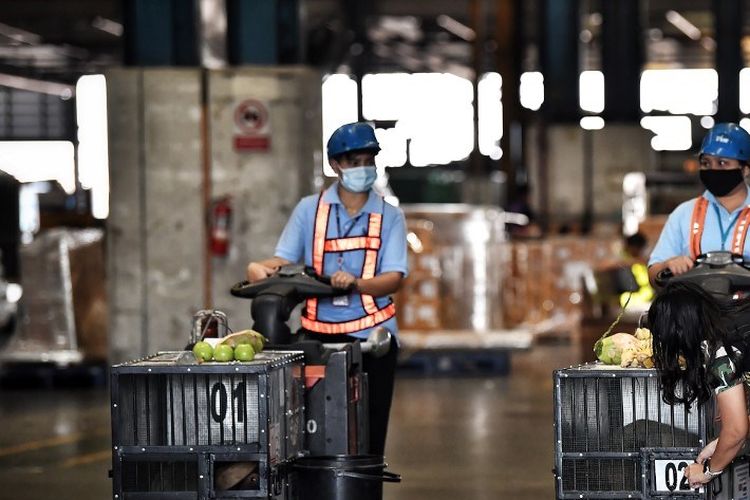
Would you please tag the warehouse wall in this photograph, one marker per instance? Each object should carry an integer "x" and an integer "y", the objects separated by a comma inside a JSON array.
[
  {"x": 264, "y": 185},
  {"x": 617, "y": 149},
  {"x": 156, "y": 260}
]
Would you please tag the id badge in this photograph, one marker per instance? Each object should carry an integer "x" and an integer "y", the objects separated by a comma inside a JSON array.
[{"x": 341, "y": 301}]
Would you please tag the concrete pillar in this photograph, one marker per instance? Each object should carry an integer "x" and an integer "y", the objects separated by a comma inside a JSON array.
[
  {"x": 155, "y": 229},
  {"x": 157, "y": 265}
]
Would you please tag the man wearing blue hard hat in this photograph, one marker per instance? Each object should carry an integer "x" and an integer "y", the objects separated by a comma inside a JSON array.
[
  {"x": 350, "y": 233},
  {"x": 718, "y": 219}
]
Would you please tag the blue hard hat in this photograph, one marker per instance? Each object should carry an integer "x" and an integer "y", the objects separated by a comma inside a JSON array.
[
  {"x": 727, "y": 140},
  {"x": 352, "y": 137}
]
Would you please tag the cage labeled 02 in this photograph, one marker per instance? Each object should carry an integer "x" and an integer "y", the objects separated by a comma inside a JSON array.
[
  {"x": 214, "y": 430},
  {"x": 616, "y": 438}
]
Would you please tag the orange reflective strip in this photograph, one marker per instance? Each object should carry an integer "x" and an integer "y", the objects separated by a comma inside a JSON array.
[
  {"x": 368, "y": 271},
  {"x": 368, "y": 321},
  {"x": 319, "y": 235},
  {"x": 740, "y": 231},
  {"x": 356, "y": 243},
  {"x": 311, "y": 308},
  {"x": 696, "y": 226},
  {"x": 371, "y": 260},
  {"x": 374, "y": 226},
  {"x": 368, "y": 302}
]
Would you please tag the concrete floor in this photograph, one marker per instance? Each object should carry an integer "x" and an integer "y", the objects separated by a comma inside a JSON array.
[{"x": 478, "y": 437}]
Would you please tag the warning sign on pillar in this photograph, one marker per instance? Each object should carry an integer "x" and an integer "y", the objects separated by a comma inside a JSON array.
[{"x": 251, "y": 126}]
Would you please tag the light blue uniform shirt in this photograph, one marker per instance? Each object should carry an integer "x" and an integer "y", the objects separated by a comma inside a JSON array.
[
  {"x": 675, "y": 237},
  {"x": 295, "y": 245}
]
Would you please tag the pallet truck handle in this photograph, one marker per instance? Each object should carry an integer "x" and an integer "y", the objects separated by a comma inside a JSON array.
[{"x": 385, "y": 476}]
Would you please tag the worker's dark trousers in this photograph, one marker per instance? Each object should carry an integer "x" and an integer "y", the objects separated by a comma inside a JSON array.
[{"x": 380, "y": 375}]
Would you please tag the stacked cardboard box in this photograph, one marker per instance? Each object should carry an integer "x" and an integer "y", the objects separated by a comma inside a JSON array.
[
  {"x": 419, "y": 301},
  {"x": 545, "y": 277}
]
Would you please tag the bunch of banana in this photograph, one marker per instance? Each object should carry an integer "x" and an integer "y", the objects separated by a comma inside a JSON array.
[
  {"x": 255, "y": 339},
  {"x": 640, "y": 354}
]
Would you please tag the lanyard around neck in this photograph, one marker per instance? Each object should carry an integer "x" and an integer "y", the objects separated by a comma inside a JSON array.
[
  {"x": 340, "y": 258},
  {"x": 338, "y": 223},
  {"x": 725, "y": 233}
]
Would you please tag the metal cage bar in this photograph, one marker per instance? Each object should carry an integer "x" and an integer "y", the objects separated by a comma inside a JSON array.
[{"x": 604, "y": 420}]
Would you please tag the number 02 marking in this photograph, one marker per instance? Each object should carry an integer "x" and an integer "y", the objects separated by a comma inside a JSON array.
[{"x": 672, "y": 474}]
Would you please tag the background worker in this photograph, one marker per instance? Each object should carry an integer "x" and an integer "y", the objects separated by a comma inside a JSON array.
[
  {"x": 720, "y": 217},
  {"x": 634, "y": 256},
  {"x": 351, "y": 234}
]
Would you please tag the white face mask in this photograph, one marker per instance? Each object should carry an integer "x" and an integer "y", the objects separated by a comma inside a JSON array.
[{"x": 358, "y": 179}]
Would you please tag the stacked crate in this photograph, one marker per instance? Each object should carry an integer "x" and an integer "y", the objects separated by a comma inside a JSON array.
[{"x": 214, "y": 430}]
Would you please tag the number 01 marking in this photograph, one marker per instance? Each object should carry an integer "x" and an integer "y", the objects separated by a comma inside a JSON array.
[{"x": 220, "y": 401}]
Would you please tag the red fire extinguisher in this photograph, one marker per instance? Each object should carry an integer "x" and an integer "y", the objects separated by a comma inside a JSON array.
[{"x": 221, "y": 219}]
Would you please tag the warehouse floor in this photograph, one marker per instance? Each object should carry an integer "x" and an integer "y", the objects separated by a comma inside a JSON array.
[{"x": 470, "y": 437}]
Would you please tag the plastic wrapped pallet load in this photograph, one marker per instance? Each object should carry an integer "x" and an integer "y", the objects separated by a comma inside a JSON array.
[{"x": 64, "y": 299}]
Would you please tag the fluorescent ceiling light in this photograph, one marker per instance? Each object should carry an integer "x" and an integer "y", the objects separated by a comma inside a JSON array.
[
  {"x": 490, "y": 111},
  {"x": 93, "y": 159},
  {"x": 672, "y": 133},
  {"x": 680, "y": 91},
  {"x": 32, "y": 161},
  {"x": 592, "y": 123},
  {"x": 22, "y": 83},
  {"x": 19, "y": 35},
  {"x": 707, "y": 122},
  {"x": 340, "y": 98},
  {"x": 591, "y": 91},
  {"x": 107, "y": 25},
  {"x": 682, "y": 24},
  {"x": 531, "y": 90},
  {"x": 745, "y": 90},
  {"x": 459, "y": 29}
]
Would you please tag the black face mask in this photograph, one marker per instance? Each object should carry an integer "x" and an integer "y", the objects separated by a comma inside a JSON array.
[{"x": 721, "y": 182}]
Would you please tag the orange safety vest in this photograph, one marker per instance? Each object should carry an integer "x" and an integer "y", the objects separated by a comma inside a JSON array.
[
  {"x": 698, "y": 222},
  {"x": 372, "y": 314}
]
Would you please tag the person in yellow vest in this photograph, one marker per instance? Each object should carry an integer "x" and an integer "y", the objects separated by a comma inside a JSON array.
[
  {"x": 633, "y": 254},
  {"x": 350, "y": 233},
  {"x": 720, "y": 217}
]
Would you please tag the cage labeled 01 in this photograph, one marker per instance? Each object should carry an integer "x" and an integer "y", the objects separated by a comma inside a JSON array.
[
  {"x": 213, "y": 430},
  {"x": 616, "y": 438}
]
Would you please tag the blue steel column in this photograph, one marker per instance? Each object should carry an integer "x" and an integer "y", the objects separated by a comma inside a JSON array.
[
  {"x": 289, "y": 36},
  {"x": 252, "y": 32},
  {"x": 559, "y": 59},
  {"x": 160, "y": 32},
  {"x": 728, "y": 22},
  {"x": 622, "y": 59}
]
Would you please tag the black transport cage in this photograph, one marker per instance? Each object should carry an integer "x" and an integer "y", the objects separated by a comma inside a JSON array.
[
  {"x": 214, "y": 430},
  {"x": 615, "y": 437}
]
